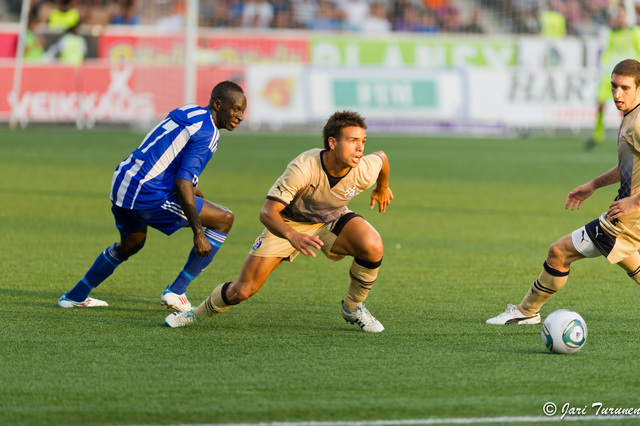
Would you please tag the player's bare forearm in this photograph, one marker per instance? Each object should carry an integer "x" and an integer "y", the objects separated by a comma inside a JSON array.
[
  {"x": 382, "y": 194},
  {"x": 578, "y": 195},
  {"x": 383, "y": 176},
  {"x": 608, "y": 178},
  {"x": 272, "y": 220},
  {"x": 581, "y": 193},
  {"x": 186, "y": 197}
]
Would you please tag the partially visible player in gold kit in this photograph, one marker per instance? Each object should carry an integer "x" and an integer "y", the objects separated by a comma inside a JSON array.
[
  {"x": 616, "y": 233},
  {"x": 306, "y": 208}
]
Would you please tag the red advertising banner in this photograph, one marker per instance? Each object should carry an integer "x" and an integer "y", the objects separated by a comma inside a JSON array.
[
  {"x": 103, "y": 92},
  {"x": 8, "y": 44}
]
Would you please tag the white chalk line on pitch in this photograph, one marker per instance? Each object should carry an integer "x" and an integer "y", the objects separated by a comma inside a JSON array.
[{"x": 450, "y": 421}]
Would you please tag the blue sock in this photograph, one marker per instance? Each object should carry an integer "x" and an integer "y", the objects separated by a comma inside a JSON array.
[
  {"x": 104, "y": 266},
  {"x": 196, "y": 264}
]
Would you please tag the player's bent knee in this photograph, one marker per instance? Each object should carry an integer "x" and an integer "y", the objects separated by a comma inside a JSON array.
[
  {"x": 244, "y": 293},
  {"x": 372, "y": 249},
  {"x": 222, "y": 222},
  {"x": 556, "y": 258},
  {"x": 239, "y": 292},
  {"x": 375, "y": 251},
  {"x": 219, "y": 218},
  {"x": 128, "y": 249},
  {"x": 227, "y": 221}
]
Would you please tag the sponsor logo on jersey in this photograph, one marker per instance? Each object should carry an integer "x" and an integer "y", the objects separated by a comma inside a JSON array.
[
  {"x": 351, "y": 191},
  {"x": 258, "y": 243}
]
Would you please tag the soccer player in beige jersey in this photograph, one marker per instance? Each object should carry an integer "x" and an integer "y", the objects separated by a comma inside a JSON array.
[
  {"x": 616, "y": 233},
  {"x": 306, "y": 209}
]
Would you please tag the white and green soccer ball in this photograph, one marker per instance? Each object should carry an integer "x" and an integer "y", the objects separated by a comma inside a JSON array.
[{"x": 564, "y": 331}]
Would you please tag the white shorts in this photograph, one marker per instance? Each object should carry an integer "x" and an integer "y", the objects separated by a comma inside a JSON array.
[{"x": 582, "y": 242}]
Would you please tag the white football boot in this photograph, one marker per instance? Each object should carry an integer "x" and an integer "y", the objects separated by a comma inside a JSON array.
[
  {"x": 513, "y": 316},
  {"x": 180, "y": 319},
  {"x": 175, "y": 301},
  {"x": 89, "y": 302},
  {"x": 363, "y": 318}
]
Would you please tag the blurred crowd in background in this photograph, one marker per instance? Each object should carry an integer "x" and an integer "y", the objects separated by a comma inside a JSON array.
[{"x": 547, "y": 17}]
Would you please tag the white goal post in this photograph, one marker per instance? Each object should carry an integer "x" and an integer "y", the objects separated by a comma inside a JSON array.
[{"x": 17, "y": 72}]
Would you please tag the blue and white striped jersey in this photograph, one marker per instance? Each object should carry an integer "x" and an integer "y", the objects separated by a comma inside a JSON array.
[{"x": 179, "y": 147}]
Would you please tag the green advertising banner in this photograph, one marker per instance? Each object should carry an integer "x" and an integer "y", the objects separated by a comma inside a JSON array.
[
  {"x": 406, "y": 94},
  {"x": 413, "y": 52},
  {"x": 380, "y": 94}
]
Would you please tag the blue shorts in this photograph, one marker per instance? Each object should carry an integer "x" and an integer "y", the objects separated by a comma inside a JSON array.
[{"x": 167, "y": 219}]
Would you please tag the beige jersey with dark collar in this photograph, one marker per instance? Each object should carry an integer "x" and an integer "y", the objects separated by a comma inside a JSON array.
[
  {"x": 626, "y": 229},
  {"x": 629, "y": 154},
  {"x": 309, "y": 193}
]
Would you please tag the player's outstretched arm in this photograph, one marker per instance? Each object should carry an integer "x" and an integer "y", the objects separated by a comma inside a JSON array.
[
  {"x": 578, "y": 195},
  {"x": 270, "y": 217},
  {"x": 581, "y": 193},
  {"x": 382, "y": 193},
  {"x": 186, "y": 198}
]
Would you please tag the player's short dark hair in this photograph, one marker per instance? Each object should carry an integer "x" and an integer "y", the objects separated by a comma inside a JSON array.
[
  {"x": 628, "y": 68},
  {"x": 338, "y": 121},
  {"x": 223, "y": 89}
]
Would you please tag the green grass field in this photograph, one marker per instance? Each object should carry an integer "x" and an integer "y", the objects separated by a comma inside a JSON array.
[{"x": 466, "y": 234}]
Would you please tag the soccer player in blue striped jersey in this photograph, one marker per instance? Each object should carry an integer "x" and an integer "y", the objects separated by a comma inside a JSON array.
[{"x": 156, "y": 185}]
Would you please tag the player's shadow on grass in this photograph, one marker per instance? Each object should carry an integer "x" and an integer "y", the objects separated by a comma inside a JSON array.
[{"x": 49, "y": 300}]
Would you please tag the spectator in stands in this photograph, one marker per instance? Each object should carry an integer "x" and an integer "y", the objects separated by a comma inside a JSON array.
[
  {"x": 304, "y": 12},
  {"x": 71, "y": 48},
  {"x": 552, "y": 22},
  {"x": 572, "y": 13},
  {"x": 407, "y": 19},
  {"x": 597, "y": 10},
  {"x": 415, "y": 18},
  {"x": 235, "y": 12},
  {"x": 450, "y": 20},
  {"x": 126, "y": 13},
  {"x": 428, "y": 22},
  {"x": 98, "y": 12},
  {"x": 586, "y": 26},
  {"x": 355, "y": 13},
  {"x": 397, "y": 13},
  {"x": 282, "y": 14},
  {"x": 64, "y": 16},
  {"x": 173, "y": 17},
  {"x": 215, "y": 14},
  {"x": 257, "y": 14},
  {"x": 435, "y": 5},
  {"x": 522, "y": 16},
  {"x": 328, "y": 17},
  {"x": 378, "y": 21},
  {"x": 446, "y": 13},
  {"x": 34, "y": 41},
  {"x": 41, "y": 10},
  {"x": 474, "y": 25}
]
